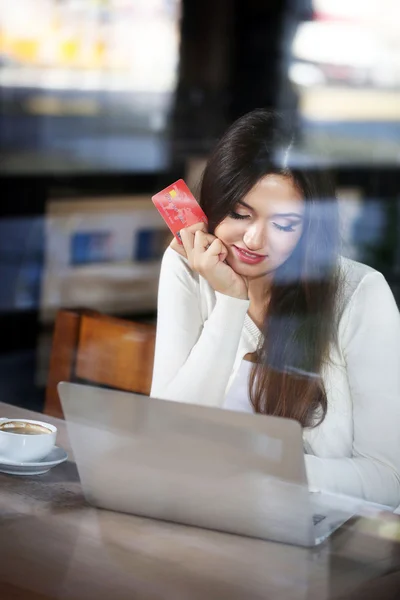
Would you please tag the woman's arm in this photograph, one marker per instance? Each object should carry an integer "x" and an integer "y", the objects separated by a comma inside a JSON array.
[
  {"x": 193, "y": 359},
  {"x": 372, "y": 351}
]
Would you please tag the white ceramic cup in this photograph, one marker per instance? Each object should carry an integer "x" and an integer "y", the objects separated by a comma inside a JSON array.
[{"x": 19, "y": 447}]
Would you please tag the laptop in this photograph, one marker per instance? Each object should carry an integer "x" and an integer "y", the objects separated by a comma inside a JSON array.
[{"x": 217, "y": 469}]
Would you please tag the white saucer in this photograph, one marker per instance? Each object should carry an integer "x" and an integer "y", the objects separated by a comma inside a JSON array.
[{"x": 56, "y": 456}]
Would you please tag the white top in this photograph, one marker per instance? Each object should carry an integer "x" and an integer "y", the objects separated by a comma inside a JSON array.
[
  {"x": 237, "y": 397},
  {"x": 202, "y": 337}
]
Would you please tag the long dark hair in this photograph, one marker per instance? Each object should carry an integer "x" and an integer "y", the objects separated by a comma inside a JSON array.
[{"x": 299, "y": 324}]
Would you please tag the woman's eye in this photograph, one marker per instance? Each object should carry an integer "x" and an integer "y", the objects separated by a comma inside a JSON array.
[
  {"x": 236, "y": 215},
  {"x": 288, "y": 228}
]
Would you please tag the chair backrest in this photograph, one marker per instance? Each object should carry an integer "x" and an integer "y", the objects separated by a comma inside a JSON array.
[{"x": 94, "y": 348}]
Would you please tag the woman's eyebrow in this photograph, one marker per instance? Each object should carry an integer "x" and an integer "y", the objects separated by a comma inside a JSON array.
[
  {"x": 275, "y": 215},
  {"x": 285, "y": 215},
  {"x": 243, "y": 203}
]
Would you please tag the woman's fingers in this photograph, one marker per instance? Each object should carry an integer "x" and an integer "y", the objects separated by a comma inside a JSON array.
[
  {"x": 207, "y": 256},
  {"x": 202, "y": 241},
  {"x": 217, "y": 248},
  {"x": 208, "y": 252},
  {"x": 193, "y": 228},
  {"x": 202, "y": 249},
  {"x": 188, "y": 238}
]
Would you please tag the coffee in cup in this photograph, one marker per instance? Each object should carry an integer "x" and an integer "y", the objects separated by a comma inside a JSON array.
[
  {"x": 25, "y": 440},
  {"x": 23, "y": 427}
]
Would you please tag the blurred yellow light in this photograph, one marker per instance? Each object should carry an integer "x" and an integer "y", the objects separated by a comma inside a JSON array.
[
  {"x": 25, "y": 49},
  {"x": 69, "y": 50}
]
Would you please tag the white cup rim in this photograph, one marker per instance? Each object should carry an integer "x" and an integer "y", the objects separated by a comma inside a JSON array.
[{"x": 52, "y": 428}]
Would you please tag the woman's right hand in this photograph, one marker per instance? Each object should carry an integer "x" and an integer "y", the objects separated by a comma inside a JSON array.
[{"x": 206, "y": 254}]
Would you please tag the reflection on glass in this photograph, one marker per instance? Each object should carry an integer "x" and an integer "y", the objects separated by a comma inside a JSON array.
[
  {"x": 345, "y": 67},
  {"x": 92, "y": 72}
]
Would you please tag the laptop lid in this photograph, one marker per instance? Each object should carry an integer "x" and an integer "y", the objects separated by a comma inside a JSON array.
[{"x": 214, "y": 468}]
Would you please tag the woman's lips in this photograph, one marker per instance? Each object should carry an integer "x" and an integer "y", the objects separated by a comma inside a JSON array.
[{"x": 248, "y": 257}]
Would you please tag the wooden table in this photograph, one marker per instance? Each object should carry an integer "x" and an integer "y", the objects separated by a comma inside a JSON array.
[{"x": 54, "y": 545}]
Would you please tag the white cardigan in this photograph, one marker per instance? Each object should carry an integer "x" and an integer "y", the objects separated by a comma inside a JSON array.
[{"x": 202, "y": 337}]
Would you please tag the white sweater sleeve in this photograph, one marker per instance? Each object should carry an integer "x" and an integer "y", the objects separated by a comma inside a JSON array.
[
  {"x": 193, "y": 359},
  {"x": 371, "y": 346}
]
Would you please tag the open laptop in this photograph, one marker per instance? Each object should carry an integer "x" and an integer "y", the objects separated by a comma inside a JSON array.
[{"x": 218, "y": 469}]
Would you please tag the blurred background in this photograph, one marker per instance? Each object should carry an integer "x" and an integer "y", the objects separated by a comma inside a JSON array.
[{"x": 105, "y": 102}]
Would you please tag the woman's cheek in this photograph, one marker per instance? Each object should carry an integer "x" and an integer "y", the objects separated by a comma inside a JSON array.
[
  {"x": 219, "y": 231},
  {"x": 282, "y": 244},
  {"x": 230, "y": 233}
]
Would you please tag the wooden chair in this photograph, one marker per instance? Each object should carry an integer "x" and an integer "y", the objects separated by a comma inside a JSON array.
[{"x": 90, "y": 347}]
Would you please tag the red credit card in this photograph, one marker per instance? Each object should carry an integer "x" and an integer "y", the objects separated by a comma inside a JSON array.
[{"x": 178, "y": 207}]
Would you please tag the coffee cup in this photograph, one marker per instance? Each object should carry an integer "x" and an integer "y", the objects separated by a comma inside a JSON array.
[{"x": 26, "y": 440}]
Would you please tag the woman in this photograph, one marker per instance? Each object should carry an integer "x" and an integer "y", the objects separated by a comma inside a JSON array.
[{"x": 261, "y": 313}]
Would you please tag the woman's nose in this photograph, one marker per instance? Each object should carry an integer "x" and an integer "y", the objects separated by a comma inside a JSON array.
[{"x": 255, "y": 237}]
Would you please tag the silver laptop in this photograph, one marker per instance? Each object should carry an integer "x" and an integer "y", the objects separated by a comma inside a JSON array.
[{"x": 218, "y": 469}]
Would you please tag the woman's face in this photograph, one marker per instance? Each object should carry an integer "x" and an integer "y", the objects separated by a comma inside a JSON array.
[{"x": 264, "y": 227}]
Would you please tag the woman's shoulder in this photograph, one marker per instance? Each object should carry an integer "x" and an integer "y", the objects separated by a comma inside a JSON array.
[
  {"x": 357, "y": 279},
  {"x": 353, "y": 272}
]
